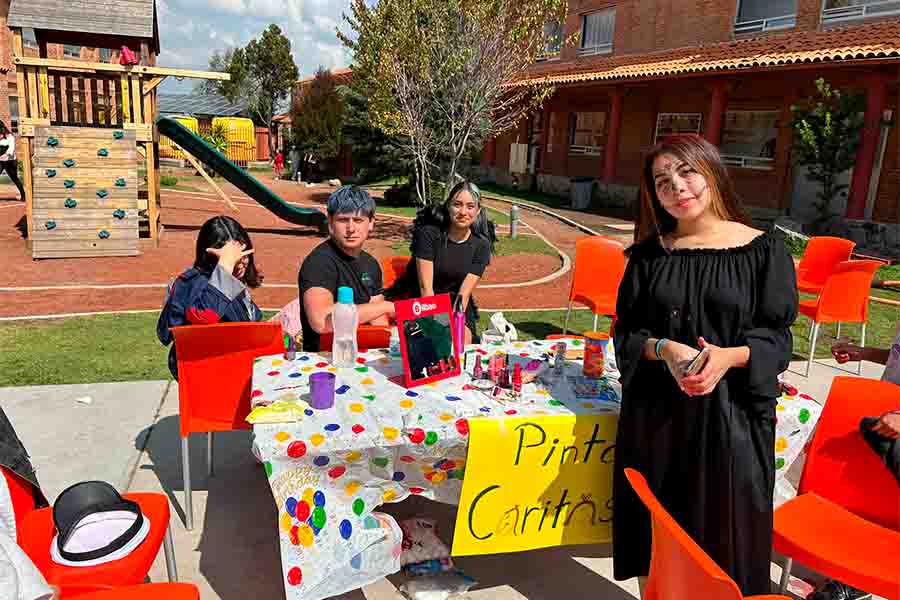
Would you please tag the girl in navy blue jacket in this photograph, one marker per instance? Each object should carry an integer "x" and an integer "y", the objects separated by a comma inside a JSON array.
[{"x": 217, "y": 287}]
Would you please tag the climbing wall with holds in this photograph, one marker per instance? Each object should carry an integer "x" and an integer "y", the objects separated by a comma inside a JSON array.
[{"x": 85, "y": 192}]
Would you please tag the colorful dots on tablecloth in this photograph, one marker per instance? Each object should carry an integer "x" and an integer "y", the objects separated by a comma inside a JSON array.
[
  {"x": 371, "y": 523},
  {"x": 318, "y": 517},
  {"x": 290, "y": 506},
  {"x": 294, "y": 535},
  {"x": 485, "y": 409},
  {"x": 416, "y": 490},
  {"x": 321, "y": 461},
  {"x": 312, "y": 526},
  {"x": 342, "y": 390},
  {"x": 331, "y": 427},
  {"x": 555, "y": 403},
  {"x": 362, "y": 369},
  {"x": 296, "y": 449},
  {"x": 446, "y": 417},
  {"x": 361, "y": 360},
  {"x": 779, "y": 463},
  {"x": 435, "y": 477},
  {"x": 456, "y": 474},
  {"x": 462, "y": 426},
  {"x": 407, "y": 459},
  {"x": 780, "y": 407},
  {"x": 417, "y": 436},
  {"x": 390, "y": 433},
  {"x": 407, "y": 404},
  {"x": 303, "y": 358},
  {"x": 286, "y": 522},
  {"x": 303, "y": 510},
  {"x": 369, "y": 397},
  {"x": 331, "y": 370},
  {"x": 282, "y": 436},
  {"x": 412, "y": 394},
  {"x": 367, "y": 381},
  {"x": 431, "y": 438},
  {"x": 781, "y": 444},
  {"x": 453, "y": 398},
  {"x": 316, "y": 439},
  {"x": 306, "y": 369},
  {"x": 399, "y": 476},
  {"x": 337, "y": 472},
  {"x": 356, "y": 407},
  {"x": 445, "y": 465},
  {"x": 308, "y": 412},
  {"x": 356, "y": 562},
  {"x": 295, "y": 576},
  {"x": 256, "y": 393},
  {"x": 305, "y": 535},
  {"x": 319, "y": 500},
  {"x": 380, "y": 461},
  {"x": 268, "y": 467},
  {"x": 295, "y": 375},
  {"x": 358, "y": 507},
  {"x": 353, "y": 456},
  {"x": 308, "y": 494},
  {"x": 357, "y": 429},
  {"x": 804, "y": 415},
  {"x": 273, "y": 373},
  {"x": 511, "y": 412},
  {"x": 352, "y": 487},
  {"x": 321, "y": 365},
  {"x": 346, "y": 529},
  {"x": 543, "y": 392},
  {"x": 389, "y": 495}
]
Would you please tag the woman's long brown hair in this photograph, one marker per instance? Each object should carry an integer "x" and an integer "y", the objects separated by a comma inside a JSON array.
[{"x": 704, "y": 158}]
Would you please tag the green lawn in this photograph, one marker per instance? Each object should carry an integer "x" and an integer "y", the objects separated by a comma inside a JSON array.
[
  {"x": 524, "y": 244},
  {"x": 124, "y": 347}
]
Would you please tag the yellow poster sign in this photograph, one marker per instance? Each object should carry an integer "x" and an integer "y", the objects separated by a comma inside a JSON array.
[{"x": 536, "y": 482}]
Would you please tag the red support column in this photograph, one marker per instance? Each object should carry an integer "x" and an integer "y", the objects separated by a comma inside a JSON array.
[
  {"x": 489, "y": 157},
  {"x": 876, "y": 97},
  {"x": 611, "y": 155},
  {"x": 716, "y": 112}
]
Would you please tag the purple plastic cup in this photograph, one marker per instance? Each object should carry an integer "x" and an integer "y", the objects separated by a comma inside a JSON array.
[{"x": 321, "y": 390}]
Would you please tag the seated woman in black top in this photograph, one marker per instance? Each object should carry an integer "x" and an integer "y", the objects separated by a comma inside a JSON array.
[{"x": 452, "y": 245}]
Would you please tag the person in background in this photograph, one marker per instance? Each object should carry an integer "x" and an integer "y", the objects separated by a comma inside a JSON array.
[
  {"x": 340, "y": 261},
  {"x": 217, "y": 288},
  {"x": 451, "y": 248},
  {"x": 295, "y": 163},
  {"x": 8, "y": 162},
  {"x": 700, "y": 278},
  {"x": 278, "y": 165}
]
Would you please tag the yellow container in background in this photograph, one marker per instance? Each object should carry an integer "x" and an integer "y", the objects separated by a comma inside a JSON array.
[
  {"x": 167, "y": 148},
  {"x": 241, "y": 139}
]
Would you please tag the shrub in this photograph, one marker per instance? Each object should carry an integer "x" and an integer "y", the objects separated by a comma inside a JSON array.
[{"x": 168, "y": 180}]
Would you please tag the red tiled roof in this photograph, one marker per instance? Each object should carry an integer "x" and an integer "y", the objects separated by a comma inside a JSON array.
[
  {"x": 875, "y": 40},
  {"x": 337, "y": 73}
]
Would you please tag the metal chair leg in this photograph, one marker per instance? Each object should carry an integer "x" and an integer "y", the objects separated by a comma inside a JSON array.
[
  {"x": 186, "y": 470},
  {"x": 169, "y": 549},
  {"x": 785, "y": 575},
  {"x": 838, "y": 330},
  {"x": 566, "y": 324},
  {"x": 812, "y": 349},
  {"x": 863, "y": 344},
  {"x": 595, "y": 322},
  {"x": 210, "y": 465}
]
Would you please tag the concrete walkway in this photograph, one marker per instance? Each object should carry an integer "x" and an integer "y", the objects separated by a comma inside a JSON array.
[{"x": 128, "y": 435}]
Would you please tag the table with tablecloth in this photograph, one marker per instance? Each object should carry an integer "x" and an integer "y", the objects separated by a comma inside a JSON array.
[{"x": 329, "y": 470}]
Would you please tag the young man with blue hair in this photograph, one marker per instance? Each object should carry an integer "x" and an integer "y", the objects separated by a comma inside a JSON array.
[{"x": 341, "y": 261}]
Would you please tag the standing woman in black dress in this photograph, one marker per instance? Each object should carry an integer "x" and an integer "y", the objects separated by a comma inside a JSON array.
[
  {"x": 451, "y": 247},
  {"x": 699, "y": 277}
]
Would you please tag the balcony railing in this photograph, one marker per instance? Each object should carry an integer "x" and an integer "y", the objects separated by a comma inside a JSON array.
[
  {"x": 771, "y": 24},
  {"x": 749, "y": 162},
  {"x": 586, "y": 150},
  {"x": 884, "y": 8}
]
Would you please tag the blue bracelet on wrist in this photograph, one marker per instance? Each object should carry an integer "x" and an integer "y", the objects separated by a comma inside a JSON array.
[{"x": 658, "y": 347}]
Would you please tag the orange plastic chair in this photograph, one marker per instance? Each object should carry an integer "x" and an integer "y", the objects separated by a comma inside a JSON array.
[
  {"x": 150, "y": 591},
  {"x": 367, "y": 337},
  {"x": 844, "y": 299},
  {"x": 679, "y": 568},
  {"x": 36, "y": 536},
  {"x": 821, "y": 256},
  {"x": 845, "y": 522},
  {"x": 599, "y": 266},
  {"x": 215, "y": 369},
  {"x": 392, "y": 267}
]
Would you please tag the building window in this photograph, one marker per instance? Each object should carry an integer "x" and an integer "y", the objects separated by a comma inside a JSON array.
[
  {"x": 597, "y": 30},
  {"x": 553, "y": 37},
  {"x": 105, "y": 54},
  {"x": 748, "y": 139},
  {"x": 587, "y": 133},
  {"x": 14, "y": 114},
  {"x": 552, "y": 131},
  {"x": 836, "y": 11},
  {"x": 73, "y": 51},
  {"x": 28, "y": 38},
  {"x": 670, "y": 124},
  {"x": 754, "y": 16}
]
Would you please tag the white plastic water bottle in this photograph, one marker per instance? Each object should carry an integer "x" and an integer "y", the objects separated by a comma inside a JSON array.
[
  {"x": 346, "y": 319},
  {"x": 394, "y": 349}
]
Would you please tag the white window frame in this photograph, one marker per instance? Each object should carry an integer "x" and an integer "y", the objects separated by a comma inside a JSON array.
[
  {"x": 603, "y": 48},
  {"x": 776, "y": 23},
  {"x": 759, "y": 163},
  {"x": 548, "y": 53},
  {"x": 660, "y": 116},
  {"x": 874, "y": 8},
  {"x": 582, "y": 150},
  {"x": 13, "y": 113},
  {"x": 67, "y": 51}
]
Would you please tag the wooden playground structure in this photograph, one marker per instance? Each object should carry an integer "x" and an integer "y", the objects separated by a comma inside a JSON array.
[{"x": 87, "y": 127}]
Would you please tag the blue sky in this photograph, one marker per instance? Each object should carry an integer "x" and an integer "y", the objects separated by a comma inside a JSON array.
[{"x": 191, "y": 30}]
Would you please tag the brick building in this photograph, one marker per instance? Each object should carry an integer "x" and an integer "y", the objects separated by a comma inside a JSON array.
[{"x": 727, "y": 69}]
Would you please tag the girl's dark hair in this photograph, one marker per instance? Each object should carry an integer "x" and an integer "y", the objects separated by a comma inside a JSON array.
[
  {"x": 438, "y": 215},
  {"x": 3, "y": 128},
  {"x": 214, "y": 234},
  {"x": 704, "y": 158}
]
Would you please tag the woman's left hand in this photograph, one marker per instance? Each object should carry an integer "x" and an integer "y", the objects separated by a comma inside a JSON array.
[{"x": 717, "y": 364}]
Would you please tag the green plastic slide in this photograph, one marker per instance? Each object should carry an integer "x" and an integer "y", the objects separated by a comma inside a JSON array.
[{"x": 245, "y": 182}]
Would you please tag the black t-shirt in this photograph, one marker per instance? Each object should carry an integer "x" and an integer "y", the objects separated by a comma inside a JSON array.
[
  {"x": 453, "y": 261},
  {"x": 328, "y": 267}
]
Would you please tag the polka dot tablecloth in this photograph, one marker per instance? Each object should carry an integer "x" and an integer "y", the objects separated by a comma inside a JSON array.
[{"x": 380, "y": 443}]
